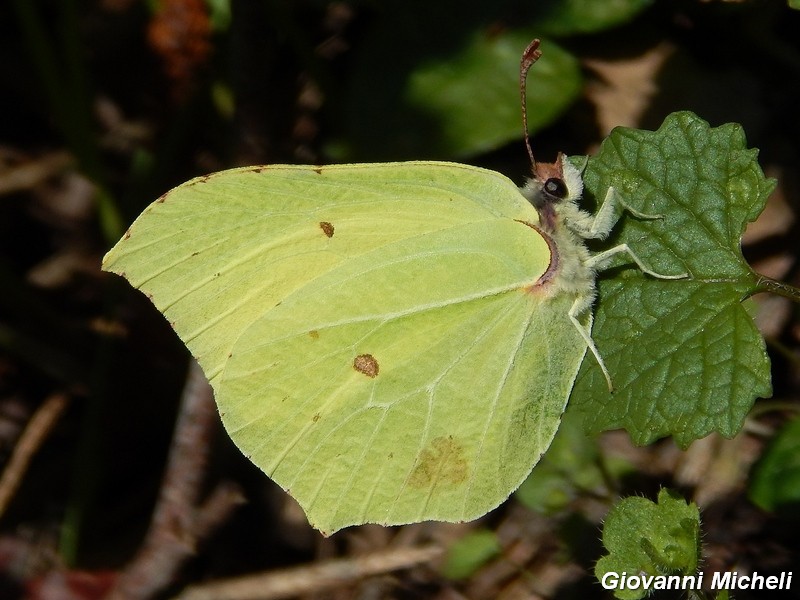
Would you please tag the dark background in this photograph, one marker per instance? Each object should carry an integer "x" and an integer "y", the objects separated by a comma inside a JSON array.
[{"x": 106, "y": 104}]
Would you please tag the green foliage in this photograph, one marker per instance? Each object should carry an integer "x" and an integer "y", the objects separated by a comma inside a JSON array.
[
  {"x": 568, "y": 17},
  {"x": 220, "y": 13},
  {"x": 65, "y": 81},
  {"x": 470, "y": 553},
  {"x": 685, "y": 357},
  {"x": 571, "y": 466},
  {"x": 454, "y": 92},
  {"x": 647, "y": 538},
  {"x": 775, "y": 480},
  {"x": 438, "y": 87}
]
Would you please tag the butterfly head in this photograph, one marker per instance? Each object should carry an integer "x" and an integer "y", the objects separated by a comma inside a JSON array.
[{"x": 553, "y": 187}]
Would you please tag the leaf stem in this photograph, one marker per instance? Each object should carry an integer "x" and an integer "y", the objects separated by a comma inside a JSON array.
[{"x": 767, "y": 284}]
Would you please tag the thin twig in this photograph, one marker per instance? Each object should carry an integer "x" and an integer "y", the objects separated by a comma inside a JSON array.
[
  {"x": 217, "y": 508},
  {"x": 177, "y": 522},
  {"x": 30, "y": 174},
  {"x": 312, "y": 578},
  {"x": 29, "y": 442}
]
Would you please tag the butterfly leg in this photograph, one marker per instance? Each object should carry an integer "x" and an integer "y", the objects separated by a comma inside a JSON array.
[
  {"x": 604, "y": 220},
  {"x": 598, "y": 226},
  {"x": 601, "y": 261},
  {"x": 579, "y": 307},
  {"x": 607, "y": 215}
]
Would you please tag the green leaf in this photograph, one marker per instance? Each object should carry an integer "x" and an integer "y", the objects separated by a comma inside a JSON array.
[
  {"x": 775, "y": 481},
  {"x": 456, "y": 90},
  {"x": 470, "y": 553},
  {"x": 571, "y": 464},
  {"x": 220, "y": 14},
  {"x": 439, "y": 86},
  {"x": 569, "y": 17},
  {"x": 650, "y": 539},
  {"x": 685, "y": 357},
  {"x": 795, "y": 4}
]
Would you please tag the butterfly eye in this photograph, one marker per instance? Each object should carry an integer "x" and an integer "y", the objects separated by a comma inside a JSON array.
[{"x": 556, "y": 187}]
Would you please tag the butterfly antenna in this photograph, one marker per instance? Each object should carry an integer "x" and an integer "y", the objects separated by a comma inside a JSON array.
[{"x": 529, "y": 56}]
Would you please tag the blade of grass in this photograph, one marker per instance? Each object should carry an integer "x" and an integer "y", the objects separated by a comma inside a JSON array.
[{"x": 68, "y": 98}]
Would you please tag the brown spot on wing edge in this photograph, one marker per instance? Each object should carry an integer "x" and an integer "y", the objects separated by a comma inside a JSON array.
[
  {"x": 441, "y": 462},
  {"x": 366, "y": 364}
]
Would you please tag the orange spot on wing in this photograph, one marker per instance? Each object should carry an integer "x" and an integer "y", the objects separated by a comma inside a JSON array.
[
  {"x": 327, "y": 228},
  {"x": 366, "y": 364}
]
